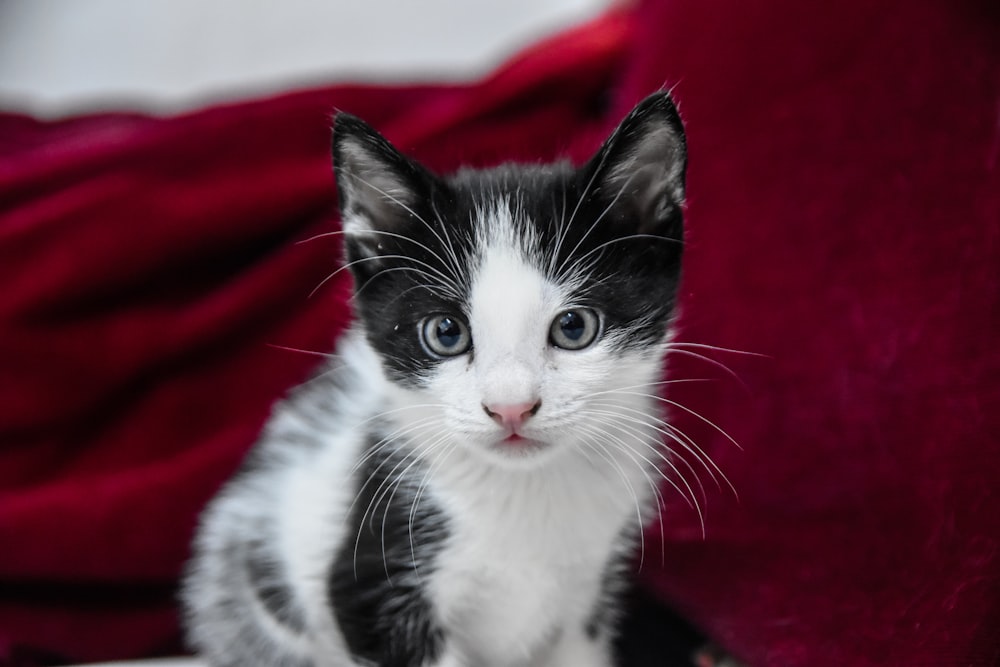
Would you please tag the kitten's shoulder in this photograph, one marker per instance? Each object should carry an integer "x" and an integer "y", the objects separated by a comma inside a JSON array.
[{"x": 335, "y": 404}]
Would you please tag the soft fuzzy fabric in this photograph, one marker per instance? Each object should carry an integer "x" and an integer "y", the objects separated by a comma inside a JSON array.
[
  {"x": 844, "y": 217},
  {"x": 845, "y": 221}
]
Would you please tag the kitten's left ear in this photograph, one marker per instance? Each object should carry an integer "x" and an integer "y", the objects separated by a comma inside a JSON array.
[
  {"x": 378, "y": 187},
  {"x": 639, "y": 171}
]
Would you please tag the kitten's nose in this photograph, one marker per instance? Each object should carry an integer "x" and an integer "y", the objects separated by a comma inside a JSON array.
[{"x": 512, "y": 415}]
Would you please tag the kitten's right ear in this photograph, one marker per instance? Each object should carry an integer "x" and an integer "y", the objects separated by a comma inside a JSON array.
[
  {"x": 640, "y": 169},
  {"x": 378, "y": 186}
]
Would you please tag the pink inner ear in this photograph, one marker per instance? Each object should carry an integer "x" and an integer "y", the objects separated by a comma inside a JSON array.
[
  {"x": 651, "y": 137},
  {"x": 378, "y": 185}
]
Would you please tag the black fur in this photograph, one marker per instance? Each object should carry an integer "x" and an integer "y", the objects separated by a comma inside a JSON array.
[
  {"x": 604, "y": 617},
  {"x": 374, "y": 583}
]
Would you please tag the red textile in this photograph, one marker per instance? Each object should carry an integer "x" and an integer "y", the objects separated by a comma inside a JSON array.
[
  {"x": 844, "y": 192},
  {"x": 844, "y": 216}
]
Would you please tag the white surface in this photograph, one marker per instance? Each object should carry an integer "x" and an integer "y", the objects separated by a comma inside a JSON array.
[{"x": 170, "y": 54}]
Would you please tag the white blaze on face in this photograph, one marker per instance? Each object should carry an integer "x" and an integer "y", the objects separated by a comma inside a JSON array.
[
  {"x": 509, "y": 317},
  {"x": 510, "y": 305}
]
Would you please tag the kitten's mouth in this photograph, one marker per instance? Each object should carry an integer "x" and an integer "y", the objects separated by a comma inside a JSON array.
[{"x": 517, "y": 443}]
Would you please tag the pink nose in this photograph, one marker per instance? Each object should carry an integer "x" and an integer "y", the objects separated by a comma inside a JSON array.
[{"x": 512, "y": 415}]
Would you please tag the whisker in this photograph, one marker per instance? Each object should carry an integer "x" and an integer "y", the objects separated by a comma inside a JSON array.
[
  {"x": 442, "y": 291},
  {"x": 459, "y": 267},
  {"x": 414, "y": 406},
  {"x": 623, "y": 422},
  {"x": 449, "y": 288},
  {"x": 402, "y": 478},
  {"x": 703, "y": 418},
  {"x": 324, "y": 355},
  {"x": 709, "y": 360},
  {"x": 654, "y": 487},
  {"x": 398, "y": 435},
  {"x": 716, "y": 348},
  {"x": 377, "y": 497},
  {"x": 336, "y": 232},
  {"x": 563, "y": 270},
  {"x": 644, "y": 385},
  {"x": 416, "y": 501},
  {"x": 600, "y": 451},
  {"x": 583, "y": 196},
  {"x": 629, "y": 421},
  {"x": 618, "y": 240},
  {"x": 404, "y": 207},
  {"x": 681, "y": 438},
  {"x": 451, "y": 280}
]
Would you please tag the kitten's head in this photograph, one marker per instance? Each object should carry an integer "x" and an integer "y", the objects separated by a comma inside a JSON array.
[{"x": 520, "y": 310}]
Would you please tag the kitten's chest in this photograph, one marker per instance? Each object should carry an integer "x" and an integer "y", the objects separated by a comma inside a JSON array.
[
  {"x": 524, "y": 562},
  {"x": 513, "y": 594}
]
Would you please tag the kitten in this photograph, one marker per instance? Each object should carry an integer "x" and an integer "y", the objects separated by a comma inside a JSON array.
[{"x": 464, "y": 483}]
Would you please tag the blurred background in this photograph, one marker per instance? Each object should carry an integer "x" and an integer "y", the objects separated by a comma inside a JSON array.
[
  {"x": 168, "y": 55},
  {"x": 843, "y": 219}
]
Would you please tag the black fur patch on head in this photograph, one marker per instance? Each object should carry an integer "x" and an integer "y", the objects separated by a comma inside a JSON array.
[
  {"x": 615, "y": 225},
  {"x": 374, "y": 583}
]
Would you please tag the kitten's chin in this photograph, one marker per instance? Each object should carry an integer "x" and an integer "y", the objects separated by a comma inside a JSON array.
[{"x": 516, "y": 451}]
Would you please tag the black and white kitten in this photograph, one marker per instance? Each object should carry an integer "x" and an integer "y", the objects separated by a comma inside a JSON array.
[{"x": 465, "y": 482}]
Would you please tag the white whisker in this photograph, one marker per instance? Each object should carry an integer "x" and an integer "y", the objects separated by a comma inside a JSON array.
[
  {"x": 709, "y": 360},
  {"x": 643, "y": 439},
  {"x": 428, "y": 446},
  {"x": 324, "y": 355},
  {"x": 417, "y": 497},
  {"x": 407, "y": 209},
  {"x": 619, "y": 239},
  {"x": 564, "y": 270},
  {"x": 654, "y": 487},
  {"x": 600, "y": 451},
  {"x": 448, "y": 288},
  {"x": 716, "y": 348},
  {"x": 681, "y": 438}
]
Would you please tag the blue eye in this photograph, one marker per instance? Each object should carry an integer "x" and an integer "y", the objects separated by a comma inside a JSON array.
[
  {"x": 445, "y": 335},
  {"x": 574, "y": 329}
]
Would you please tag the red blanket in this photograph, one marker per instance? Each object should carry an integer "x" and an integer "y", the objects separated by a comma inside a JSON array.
[{"x": 844, "y": 219}]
